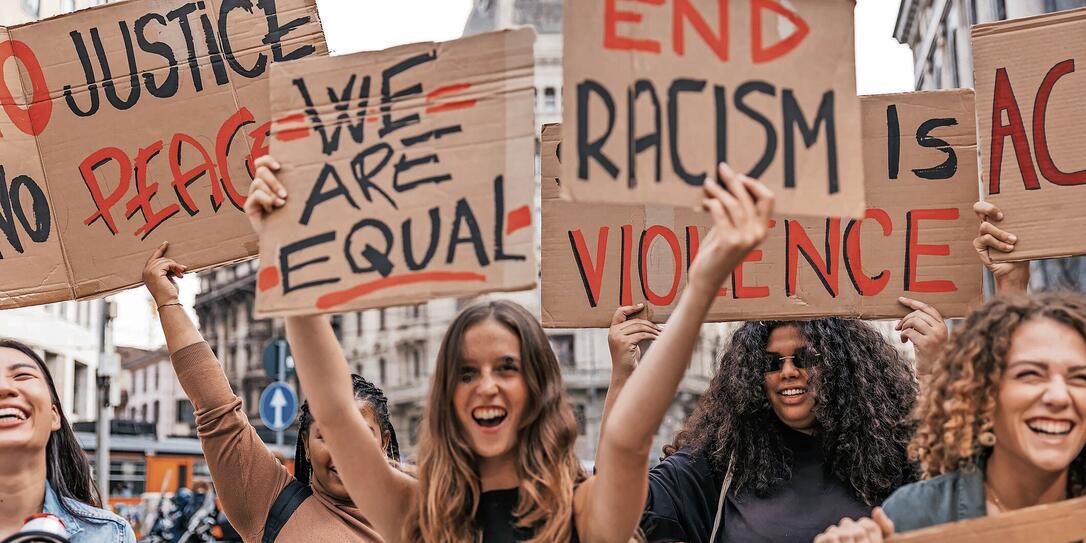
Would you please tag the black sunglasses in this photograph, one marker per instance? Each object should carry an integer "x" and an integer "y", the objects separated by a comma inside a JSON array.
[{"x": 802, "y": 358}]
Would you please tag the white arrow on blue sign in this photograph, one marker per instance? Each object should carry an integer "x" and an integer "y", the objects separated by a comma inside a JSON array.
[{"x": 278, "y": 406}]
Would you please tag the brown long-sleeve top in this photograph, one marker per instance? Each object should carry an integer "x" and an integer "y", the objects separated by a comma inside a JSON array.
[{"x": 247, "y": 477}]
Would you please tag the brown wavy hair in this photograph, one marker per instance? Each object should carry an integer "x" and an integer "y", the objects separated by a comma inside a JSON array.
[
  {"x": 548, "y": 468},
  {"x": 959, "y": 402}
]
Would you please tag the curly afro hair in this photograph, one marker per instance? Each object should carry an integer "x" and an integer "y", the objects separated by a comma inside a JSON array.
[
  {"x": 864, "y": 394},
  {"x": 959, "y": 403}
]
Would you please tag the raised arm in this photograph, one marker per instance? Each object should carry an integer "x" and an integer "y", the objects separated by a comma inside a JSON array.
[
  {"x": 246, "y": 474},
  {"x": 1010, "y": 277},
  {"x": 624, "y": 340},
  {"x": 382, "y": 493},
  {"x": 612, "y": 500}
]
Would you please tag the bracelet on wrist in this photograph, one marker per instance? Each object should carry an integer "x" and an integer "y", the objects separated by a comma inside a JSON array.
[{"x": 169, "y": 304}]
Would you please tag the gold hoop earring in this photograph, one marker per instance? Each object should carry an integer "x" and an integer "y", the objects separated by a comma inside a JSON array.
[{"x": 988, "y": 439}]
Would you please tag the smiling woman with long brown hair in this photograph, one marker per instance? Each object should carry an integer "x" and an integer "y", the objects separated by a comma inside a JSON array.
[{"x": 496, "y": 460}]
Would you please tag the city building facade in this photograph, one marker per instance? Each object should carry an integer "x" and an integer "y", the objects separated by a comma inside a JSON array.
[
  {"x": 151, "y": 393},
  {"x": 938, "y": 32}
]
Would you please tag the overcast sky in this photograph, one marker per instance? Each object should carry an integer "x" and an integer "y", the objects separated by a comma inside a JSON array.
[{"x": 882, "y": 66}]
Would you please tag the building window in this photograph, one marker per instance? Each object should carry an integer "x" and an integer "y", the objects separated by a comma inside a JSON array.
[
  {"x": 143, "y": 413},
  {"x": 32, "y": 7},
  {"x": 579, "y": 415},
  {"x": 1060, "y": 5},
  {"x": 382, "y": 369},
  {"x": 416, "y": 361},
  {"x": 154, "y": 370},
  {"x": 1000, "y": 10},
  {"x": 358, "y": 324},
  {"x": 413, "y": 430},
  {"x": 79, "y": 393},
  {"x": 563, "y": 348},
  {"x": 155, "y": 412},
  {"x": 127, "y": 477},
  {"x": 550, "y": 99},
  {"x": 381, "y": 317},
  {"x": 185, "y": 412}
]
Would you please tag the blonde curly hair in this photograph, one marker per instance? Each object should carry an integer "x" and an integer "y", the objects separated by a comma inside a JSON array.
[{"x": 959, "y": 403}]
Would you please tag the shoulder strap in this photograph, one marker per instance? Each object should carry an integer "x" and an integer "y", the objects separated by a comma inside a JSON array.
[
  {"x": 285, "y": 503},
  {"x": 720, "y": 502}
]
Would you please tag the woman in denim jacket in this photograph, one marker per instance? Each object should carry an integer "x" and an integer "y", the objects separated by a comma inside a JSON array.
[
  {"x": 42, "y": 467},
  {"x": 1002, "y": 423}
]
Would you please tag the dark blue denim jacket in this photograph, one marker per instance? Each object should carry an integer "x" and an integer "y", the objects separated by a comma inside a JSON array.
[
  {"x": 958, "y": 495},
  {"x": 94, "y": 526}
]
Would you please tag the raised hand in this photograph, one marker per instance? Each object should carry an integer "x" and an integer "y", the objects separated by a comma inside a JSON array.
[
  {"x": 927, "y": 331},
  {"x": 624, "y": 336},
  {"x": 1009, "y": 276},
  {"x": 266, "y": 193},
  {"x": 741, "y": 210},
  {"x": 159, "y": 274}
]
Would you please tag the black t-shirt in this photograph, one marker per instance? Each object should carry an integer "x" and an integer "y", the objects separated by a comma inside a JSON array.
[
  {"x": 495, "y": 518},
  {"x": 684, "y": 491}
]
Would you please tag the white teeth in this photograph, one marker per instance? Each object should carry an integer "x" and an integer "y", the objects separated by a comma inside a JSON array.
[
  {"x": 793, "y": 391},
  {"x": 488, "y": 413},
  {"x": 1050, "y": 426},
  {"x": 12, "y": 412}
]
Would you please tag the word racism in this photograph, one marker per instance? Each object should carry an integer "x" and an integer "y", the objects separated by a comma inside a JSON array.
[
  {"x": 915, "y": 238},
  {"x": 1032, "y": 129},
  {"x": 779, "y": 101},
  {"x": 188, "y": 80},
  {"x": 410, "y": 175}
]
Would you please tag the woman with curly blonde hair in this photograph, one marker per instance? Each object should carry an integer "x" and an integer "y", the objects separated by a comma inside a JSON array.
[
  {"x": 496, "y": 458},
  {"x": 1002, "y": 421}
]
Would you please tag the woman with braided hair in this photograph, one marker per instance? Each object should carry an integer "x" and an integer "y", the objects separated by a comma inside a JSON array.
[
  {"x": 1002, "y": 421},
  {"x": 262, "y": 500}
]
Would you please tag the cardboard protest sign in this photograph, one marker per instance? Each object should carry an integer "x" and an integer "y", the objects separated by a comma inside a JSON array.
[
  {"x": 1033, "y": 130},
  {"x": 659, "y": 92},
  {"x": 130, "y": 124},
  {"x": 915, "y": 239},
  {"x": 410, "y": 175},
  {"x": 1063, "y": 522}
]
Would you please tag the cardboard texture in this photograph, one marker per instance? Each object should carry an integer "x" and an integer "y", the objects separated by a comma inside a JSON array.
[
  {"x": 659, "y": 92},
  {"x": 1032, "y": 128},
  {"x": 1063, "y": 522},
  {"x": 410, "y": 175},
  {"x": 916, "y": 239},
  {"x": 130, "y": 124}
]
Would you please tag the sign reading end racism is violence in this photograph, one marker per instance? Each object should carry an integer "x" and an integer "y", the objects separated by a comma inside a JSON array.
[
  {"x": 1030, "y": 79},
  {"x": 130, "y": 124},
  {"x": 410, "y": 176},
  {"x": 914, "y": 239},
  {"x": 658, "y": 92}
]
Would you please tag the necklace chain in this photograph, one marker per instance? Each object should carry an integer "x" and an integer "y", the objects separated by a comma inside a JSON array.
[{"x": 994, "y": 497}]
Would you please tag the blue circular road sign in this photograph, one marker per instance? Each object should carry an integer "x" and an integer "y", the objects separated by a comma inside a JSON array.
[{"x": 278, "y": 406}]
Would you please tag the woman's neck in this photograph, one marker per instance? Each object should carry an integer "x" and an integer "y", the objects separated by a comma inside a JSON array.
[
  {"x": 1017, "y": 484},
  {"x": 22, "y": 490},
  {"x": 498, "y": 473}
]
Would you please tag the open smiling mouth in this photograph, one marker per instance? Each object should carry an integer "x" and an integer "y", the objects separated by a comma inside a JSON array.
[
  {"x": 488, "y": 417},
  {"x": 1049, "y": 427},
  {"x": 794, "y": 391},
  {"x": 12, "y": 414}
]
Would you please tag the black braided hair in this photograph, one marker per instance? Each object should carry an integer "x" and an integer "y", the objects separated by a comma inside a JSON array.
[{"x": 363, "y": 390}]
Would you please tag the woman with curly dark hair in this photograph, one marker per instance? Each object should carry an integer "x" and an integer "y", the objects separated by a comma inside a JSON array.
[
  {"x": 804, "y": 422},
  {"x": 1002, "y": 422}
]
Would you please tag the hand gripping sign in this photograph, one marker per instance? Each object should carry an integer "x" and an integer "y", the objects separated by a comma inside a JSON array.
[
  {"x": 129, "y": 124},
  {"x": 914, "y": 240},
  {"x": 410, "y": 176},
  {"x": 657, "y": 92}
]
